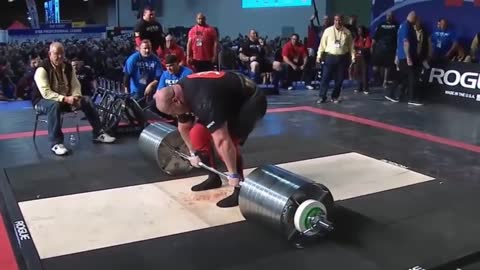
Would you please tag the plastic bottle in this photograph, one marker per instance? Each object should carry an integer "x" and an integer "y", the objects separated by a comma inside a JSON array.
[{"x": 73, "y": 140}]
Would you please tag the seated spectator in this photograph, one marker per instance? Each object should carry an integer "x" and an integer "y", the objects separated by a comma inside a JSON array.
[
  {"x": 461, "y": 55},
  {"x": 57, "y": 90},
  {"x": 171, "y": 47},
  {"x": 273, "y": 76},
  {"x": 296, "y": 57},
  {"x": 475, "y": 48},
  {"x": 142, "y": 71},
  {"x": 25, "y": 85},
  {"x": 362, "y": 45},
  {"x": 174, "y": 72},
  {"x": 443, "y": 42},
  {"x": 252, "y": 55},
  {"x": 86, "y": 77}
]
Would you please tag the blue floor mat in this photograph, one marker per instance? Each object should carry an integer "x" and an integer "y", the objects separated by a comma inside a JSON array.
[{"x": 6, "y": 106}]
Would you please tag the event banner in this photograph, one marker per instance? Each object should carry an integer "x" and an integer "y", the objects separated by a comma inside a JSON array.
[
  {"x": 454, "y": 82},
  {"x": 430, "y": 11},
  {"x": 53, "y": 33}
]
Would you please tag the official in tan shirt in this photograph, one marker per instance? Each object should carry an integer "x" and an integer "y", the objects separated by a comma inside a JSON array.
[
  {"x": 335, "y": 52},
  {"x": 58, "y": 90}
]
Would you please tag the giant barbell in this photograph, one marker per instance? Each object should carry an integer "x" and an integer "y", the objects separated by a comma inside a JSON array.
[{"x": 289, "y": 203}]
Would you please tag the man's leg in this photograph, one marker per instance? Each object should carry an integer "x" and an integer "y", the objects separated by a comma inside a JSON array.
[
  {"x": 328, "y": 70},
  {"x": 340, "y": 71},
  {"x": 412, "y": 78},
  {"x": 54, "y": 125},
  {"x": 201, "y": 141},
  {"x": 251, "y": 112},
  {"x": 232, "y": 200},
  {"x": 89, "y": 110}
]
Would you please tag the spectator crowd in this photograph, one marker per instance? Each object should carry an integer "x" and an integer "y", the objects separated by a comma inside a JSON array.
[{"x": 338, "y": 48}]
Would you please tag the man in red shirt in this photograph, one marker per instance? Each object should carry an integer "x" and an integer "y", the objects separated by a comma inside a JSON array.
[
  {"x": 295, "y": 55},
  {"x": 171, "y": 47},
  {"x": 202, "y": 45}
]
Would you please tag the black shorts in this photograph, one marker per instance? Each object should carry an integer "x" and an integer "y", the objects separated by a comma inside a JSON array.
[
  {"x": 253, "y": 110},
  {"x": 265, "y": 66},
  {"x": 383, "y": 58}
]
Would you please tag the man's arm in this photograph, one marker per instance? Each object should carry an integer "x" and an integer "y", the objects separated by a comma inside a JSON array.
[
  {"x": 351, "y": 47},
  {"x": 225, "y": 148},
  {"x": 406, "y": 49},
  {"x": 323, "y": 45},
  {"x": 41, "y": 79},
  {"x": 184, "y": 129},
  {"x": 215, "y": 49},
  {"x": 189, "y": 51}
]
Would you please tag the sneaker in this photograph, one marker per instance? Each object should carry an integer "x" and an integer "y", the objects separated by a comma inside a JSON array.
[
  {"x": 415, "y": 103},
  {"x": 105, "y": 138},
  {"x": 321, "y": 100},
  {"x": 391, "y": 99},
  {"x": 59, "y": 149},
  {"x": 366, "y": 92},
  {"x": 335, "y": 100},
  {"x": 290, "y": 88},
  {"x": 309, "y": 87}
]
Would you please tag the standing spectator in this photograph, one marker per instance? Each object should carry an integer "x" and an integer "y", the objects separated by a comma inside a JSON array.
[
  {"x": 407, "y": 63},
  {"x": 352, "y": 25},
  {"x": 362, "y": 44},
  {"x": 443, "y": 42},
  {"x": 202, "y": 46},
  {"x": 336, "y": 49},
  {"x": 142, "y": 71},
  {"x": 26, "y": 83},
  {"x": 149, "y": 28},
  {"x": 315, "y": 32},
  {"x": 171, "y": 47},
  {"x": 383, "y": 50}
]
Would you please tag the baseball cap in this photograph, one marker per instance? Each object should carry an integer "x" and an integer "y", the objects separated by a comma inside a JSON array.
[{"x": 171, "y": 59}]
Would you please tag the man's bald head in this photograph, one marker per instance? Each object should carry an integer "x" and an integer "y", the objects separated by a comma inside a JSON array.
[
  {"x": 201, "y": 19},
  {"x": 163, "y": 99},
  {"x": 56, "y": 53},
  {"x": 412, "y": 17},
  {"x": 169, "y": 100}
]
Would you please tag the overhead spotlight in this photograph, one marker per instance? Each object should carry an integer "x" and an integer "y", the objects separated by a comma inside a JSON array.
[{"x": 10, "y": 1}]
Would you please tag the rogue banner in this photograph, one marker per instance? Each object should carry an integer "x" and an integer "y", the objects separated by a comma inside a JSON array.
[{"x": 454, "y": 82}]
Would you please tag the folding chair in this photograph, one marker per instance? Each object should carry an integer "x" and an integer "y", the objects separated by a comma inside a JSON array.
[{"x": 40, "y": 111}]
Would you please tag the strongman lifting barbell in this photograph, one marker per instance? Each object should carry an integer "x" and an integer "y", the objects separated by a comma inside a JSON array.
[{"x": 275, "y": 197}]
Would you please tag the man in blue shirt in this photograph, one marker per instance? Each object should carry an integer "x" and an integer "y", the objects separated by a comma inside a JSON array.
[
  {"x": 174, "y": 72},
  {"x": 406, "y": 60},
  {"x": 171, "y": 76},
  {"x": 444, "y": 42},
  {"x": 142, "y": 71}
]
